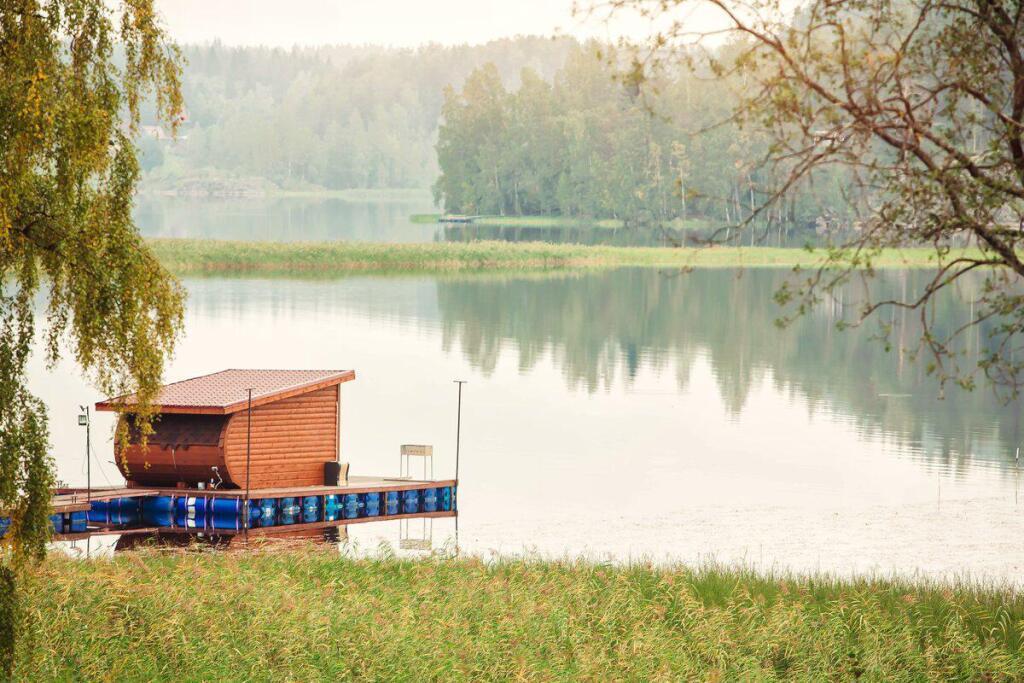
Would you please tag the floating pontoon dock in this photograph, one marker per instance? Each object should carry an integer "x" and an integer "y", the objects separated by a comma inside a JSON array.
[
  {"x": 244, "y": 450},
  {"x": 173, "y": 510}
]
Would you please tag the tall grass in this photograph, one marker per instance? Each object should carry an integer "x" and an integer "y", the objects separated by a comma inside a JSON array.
[
  {"x": 311, "y": 615},
  {"x": 192, "y": 256}
]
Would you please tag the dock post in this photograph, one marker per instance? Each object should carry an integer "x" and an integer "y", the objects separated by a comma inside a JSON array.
[
  {"x": 458, "y": 428},
  {"x": 248, "y": 459}
]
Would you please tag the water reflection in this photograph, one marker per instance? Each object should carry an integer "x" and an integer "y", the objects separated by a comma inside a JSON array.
[
  {"x": 632, "y": 413},
  {"x": 283, "y": 219},
  {"x": 596, "y": 326},
  {"x": 411, "y": 537}
]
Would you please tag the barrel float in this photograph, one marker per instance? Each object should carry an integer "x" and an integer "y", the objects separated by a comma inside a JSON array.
[
  {"x": 124, "y": 511},
  {"x": 191, "y": 512},
  {"x": 410, "y": 501},
  {"x": 290, "y": 510},
  {"x": 57, "y": 522},
  {"x": 446, "y": 498},
  {"x": 99, "y": 511},
  {"x": 372, "y": 503},
  {"x": 5, "y": 524},
  {"x": 352, "y": 505},
  {"x": 254, "y": 513},
  {"x": 78, "y": 521},
  {"x": 225, "y": 513},
  {"x": 158, "y": 510},
  {"x": 332, "y": 508},
  {"x": 391, "y": 503},
  {"x": 430, "y": 500},
  {"x": 311, "y": 509},
  {"x": 268, "y": 511}
]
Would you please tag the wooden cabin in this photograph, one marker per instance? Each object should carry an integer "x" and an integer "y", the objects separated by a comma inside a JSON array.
[{"x": 200, "y": 430}]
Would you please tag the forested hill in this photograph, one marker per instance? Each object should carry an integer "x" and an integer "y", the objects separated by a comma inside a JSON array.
[{"x": 329, "y": 117}]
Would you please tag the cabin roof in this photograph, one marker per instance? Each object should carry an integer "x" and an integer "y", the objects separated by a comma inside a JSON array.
[{"x": 226, "y": 392}]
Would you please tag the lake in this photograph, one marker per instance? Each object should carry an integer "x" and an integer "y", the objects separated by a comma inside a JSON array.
[
  {"x": 629, "y": 414},
  {"x": 315, "y": 219}
]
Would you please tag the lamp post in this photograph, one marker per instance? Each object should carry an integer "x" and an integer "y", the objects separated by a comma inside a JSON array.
[{"x": 83, "y": 421}]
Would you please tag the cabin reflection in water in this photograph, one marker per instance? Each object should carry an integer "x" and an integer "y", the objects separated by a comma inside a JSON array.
[{"x": 151, "y": 539}]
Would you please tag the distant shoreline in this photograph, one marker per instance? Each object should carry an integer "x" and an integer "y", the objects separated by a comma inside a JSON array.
[
  {"x": 238, "y": 193},
  {"x": 199, "y": 256}
]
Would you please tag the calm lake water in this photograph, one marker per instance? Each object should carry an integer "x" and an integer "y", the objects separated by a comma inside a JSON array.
[
  {"x": 284, "y": 219},
  {"x": 630, "y": 414}
]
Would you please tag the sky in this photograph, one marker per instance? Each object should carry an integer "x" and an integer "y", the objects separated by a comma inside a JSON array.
[{"x": 400, "y": 23}]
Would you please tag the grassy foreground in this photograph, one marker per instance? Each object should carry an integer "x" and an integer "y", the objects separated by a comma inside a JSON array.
[
  {"x": 196, "y": 256},
  {"x": 310, "y": 615}
]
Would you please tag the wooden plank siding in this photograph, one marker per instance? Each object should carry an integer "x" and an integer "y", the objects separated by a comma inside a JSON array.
[{"x": 292, "y": 438}]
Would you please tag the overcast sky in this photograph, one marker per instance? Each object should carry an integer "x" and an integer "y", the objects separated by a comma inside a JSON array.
[{"x": 403, "y": 23}]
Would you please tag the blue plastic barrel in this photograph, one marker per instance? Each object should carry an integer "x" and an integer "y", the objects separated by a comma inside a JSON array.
[
  {"x": 99, "y": 511},
  {"x": 158, "y": 510},
  {"x": 430, "y": 500},
  {"x": 311, "y": 509},
  {"x": 191, "y": 512},
  {"x": 57, "y": 521},
  {"x": 78, "y": 521},
  {"x": 290, "y": 510},
  {"x": 124, "y": 511},
  {"x": 410, "y": 502},
  {"x": 372, "y": 503},
  {"x": 268, "y": 511},
  {"x": 332, "y": 508},
  {"x": 226, "y": 513},
  {"x": 5, "y": 524},
  {"x": 391, "y": 503},
  {"x": 446, "y": 498},
  {"x": 254, "y": 513},
  {"x": 352, "y": 505}
]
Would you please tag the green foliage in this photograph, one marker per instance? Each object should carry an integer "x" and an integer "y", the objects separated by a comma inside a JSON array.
[
  {"x": 920, "y": 107},
  {"x": 333, "y": 117},
  {"x": 588, "y": 144},
  {"x": 310, "y": 615},
  {"x": 67, "y": 174},
  {"x": 185, "y": 256}
]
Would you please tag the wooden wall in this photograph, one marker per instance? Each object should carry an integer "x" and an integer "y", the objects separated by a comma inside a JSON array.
[{"x": 291, "y": 440}]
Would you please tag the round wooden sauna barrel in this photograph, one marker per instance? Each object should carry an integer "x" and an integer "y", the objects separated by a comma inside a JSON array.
[{"x": 290, "y": 442}]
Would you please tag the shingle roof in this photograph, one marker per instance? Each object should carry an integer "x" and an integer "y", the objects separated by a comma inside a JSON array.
[{"x": 227, "y": 391}]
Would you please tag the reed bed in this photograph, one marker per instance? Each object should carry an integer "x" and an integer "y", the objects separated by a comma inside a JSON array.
[
  {"x": 192, "y": 256},
  {"x": 308, "y": 614}
]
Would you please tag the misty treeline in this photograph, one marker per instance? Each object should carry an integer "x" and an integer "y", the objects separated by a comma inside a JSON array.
[
  {"x": 528, "y": 125},
  {"x": 592, "y": 142},
  {"x": 333, "y": 117}
]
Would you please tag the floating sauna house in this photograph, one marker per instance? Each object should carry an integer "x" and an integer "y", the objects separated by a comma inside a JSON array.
[{"x": 201, "y": 430}]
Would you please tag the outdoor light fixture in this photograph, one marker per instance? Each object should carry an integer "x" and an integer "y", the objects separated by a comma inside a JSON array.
[{"x": 83, "y": 421}]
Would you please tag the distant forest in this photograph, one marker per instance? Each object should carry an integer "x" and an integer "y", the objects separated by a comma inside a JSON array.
[
  {"x": 334, "y": 117},
  {"x": 521, "y": 126},
  {"x": 592, "y": 142}
]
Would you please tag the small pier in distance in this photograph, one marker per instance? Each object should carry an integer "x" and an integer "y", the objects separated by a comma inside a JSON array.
[{"x": 243, "y": 451}]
